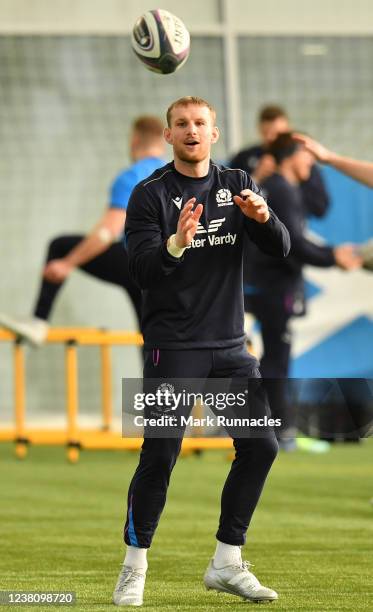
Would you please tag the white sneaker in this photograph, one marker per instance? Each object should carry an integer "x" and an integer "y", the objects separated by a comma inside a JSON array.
[
  {"x": 237, "y": 580},
  {"x": 34, "y": 330},
  {"x": 129, "y": 589}
]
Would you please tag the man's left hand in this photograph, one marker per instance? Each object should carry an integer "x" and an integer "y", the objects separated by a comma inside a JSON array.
[{"x": 252, "y": 205}]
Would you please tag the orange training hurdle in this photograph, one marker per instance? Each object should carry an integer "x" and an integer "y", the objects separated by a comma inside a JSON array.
[{"x": 72, "y": 436}]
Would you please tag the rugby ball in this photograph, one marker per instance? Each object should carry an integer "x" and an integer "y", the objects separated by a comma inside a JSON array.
[{"x": 161, "y": 41}]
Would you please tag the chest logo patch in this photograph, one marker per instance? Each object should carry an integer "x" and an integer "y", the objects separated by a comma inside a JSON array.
[{"x": 224, "y": 197}]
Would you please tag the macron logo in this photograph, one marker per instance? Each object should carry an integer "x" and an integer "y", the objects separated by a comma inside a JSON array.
[
  {"x": 177, "y": 201},
  {"x": 213, "y": 227}
]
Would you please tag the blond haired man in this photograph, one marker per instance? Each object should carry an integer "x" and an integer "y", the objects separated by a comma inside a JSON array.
[{"x": 184, "y": 232}]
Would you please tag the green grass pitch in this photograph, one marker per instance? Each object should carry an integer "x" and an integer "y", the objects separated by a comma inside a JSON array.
[{"x": 311, "y": 537}]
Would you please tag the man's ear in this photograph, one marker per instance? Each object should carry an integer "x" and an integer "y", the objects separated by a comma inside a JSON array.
[
  {"x": 215, "y": 134},
  {"x": 167, "y": 135}
]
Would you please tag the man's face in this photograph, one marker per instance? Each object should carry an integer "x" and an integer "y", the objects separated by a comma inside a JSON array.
[
  {"x": 269, "y": 130},
  {"x": 302, "y": 164},
  {"x": 192, "y": 132}
]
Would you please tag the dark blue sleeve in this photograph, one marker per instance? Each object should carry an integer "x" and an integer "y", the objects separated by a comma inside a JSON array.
[
  {"x": 302, "y": 249},
  {"x": 271, "y": 237},
  {"x": 149, "y": 260},
  {"x": 314, "y": 194}
]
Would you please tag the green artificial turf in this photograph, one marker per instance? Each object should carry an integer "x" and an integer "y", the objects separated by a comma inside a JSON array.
[{"x": 311, "y": 537}]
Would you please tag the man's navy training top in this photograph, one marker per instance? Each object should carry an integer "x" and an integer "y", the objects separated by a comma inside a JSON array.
[
  {"x": 195, "y": 301},
  {"x": 269, "y": 274}
]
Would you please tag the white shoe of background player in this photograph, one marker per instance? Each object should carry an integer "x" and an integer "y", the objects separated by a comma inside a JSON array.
[
  {"x": 33, "y": 329},
  {"x": 129, "y": 589},
  {"x": 237, "y": 580}
]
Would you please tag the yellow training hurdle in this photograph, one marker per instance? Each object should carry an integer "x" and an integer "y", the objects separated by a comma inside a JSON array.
[{"x": 72, "y": 436}]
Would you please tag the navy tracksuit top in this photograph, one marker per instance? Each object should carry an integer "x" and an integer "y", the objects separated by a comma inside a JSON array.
[{"x": 195, "y": 301}]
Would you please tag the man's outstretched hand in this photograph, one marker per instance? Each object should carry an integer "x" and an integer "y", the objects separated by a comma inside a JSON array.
[
  {"x": 252, "y": 205},
  {"x": 347, "y": 257},
  {"x": 321, "y": 153},
  {"x": 188, "y": 223}
]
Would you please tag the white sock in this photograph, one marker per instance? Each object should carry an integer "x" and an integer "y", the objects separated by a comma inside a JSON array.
[
  {"x": 226, "y": 554},
  {"x": 136, "y": 558}
]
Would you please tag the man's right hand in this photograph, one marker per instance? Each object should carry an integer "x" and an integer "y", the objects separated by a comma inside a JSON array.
[
  {"x": 188, "y": 223},
  {"x": 347, "y": 258}
]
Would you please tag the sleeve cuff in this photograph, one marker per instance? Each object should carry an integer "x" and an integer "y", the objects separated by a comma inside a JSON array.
[{"x": 174, "y": 250}]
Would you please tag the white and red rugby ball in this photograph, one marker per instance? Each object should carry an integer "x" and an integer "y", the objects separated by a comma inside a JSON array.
[{"x": 161, "y": 41}]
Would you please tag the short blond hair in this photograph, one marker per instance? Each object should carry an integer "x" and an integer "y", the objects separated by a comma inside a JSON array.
[
  {"x": 149, "y": 128},
  {"x": 186, "y": 101}
]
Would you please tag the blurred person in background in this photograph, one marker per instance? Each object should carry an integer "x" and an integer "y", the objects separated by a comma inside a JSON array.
[
  {"x": 260, "y": 164},
  {"x": 275, "y": 283},
  {"x": 101, "y": 252}
]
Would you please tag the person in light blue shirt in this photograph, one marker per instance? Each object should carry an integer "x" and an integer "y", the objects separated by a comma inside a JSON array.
[
  {"x": 125, "y": 181},
  {"x": 100, "y": 253}
]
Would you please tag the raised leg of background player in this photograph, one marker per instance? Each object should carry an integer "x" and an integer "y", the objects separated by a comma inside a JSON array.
[{"x": 110, "y": 266}]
